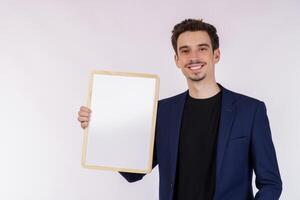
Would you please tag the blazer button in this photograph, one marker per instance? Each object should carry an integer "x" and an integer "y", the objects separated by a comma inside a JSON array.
[{"x": 171, "y": 186}]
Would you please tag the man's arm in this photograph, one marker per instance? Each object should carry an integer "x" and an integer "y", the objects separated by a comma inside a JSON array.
[{"x": 264, "y": 160}]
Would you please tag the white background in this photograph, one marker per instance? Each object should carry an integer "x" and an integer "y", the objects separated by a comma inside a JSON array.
[{"x": 48, "y": 48}]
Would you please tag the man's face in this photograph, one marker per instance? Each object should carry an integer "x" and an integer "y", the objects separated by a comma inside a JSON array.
[{"x": 195, "y": 56}]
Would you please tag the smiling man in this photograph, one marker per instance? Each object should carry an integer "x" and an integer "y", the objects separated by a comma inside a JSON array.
[{"x": 209, "y": 140}]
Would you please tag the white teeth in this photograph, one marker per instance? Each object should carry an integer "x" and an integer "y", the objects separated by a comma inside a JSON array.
[{"x": 196, "y": 67}]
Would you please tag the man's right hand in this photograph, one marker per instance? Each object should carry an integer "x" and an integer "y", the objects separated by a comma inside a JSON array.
[{"x": 84, "y": 116}]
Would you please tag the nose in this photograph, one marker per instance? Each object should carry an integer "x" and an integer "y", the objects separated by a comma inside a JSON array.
[{"x": 194, "y": 55}]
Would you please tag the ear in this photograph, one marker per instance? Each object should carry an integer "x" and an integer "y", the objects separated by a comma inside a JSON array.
[
  {"x": 217, "y": 54},
  {"x": 176, "y": 59}
]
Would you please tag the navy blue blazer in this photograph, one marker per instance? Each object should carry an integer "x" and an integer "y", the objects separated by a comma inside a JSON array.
[{"x": 244, "y": 145}]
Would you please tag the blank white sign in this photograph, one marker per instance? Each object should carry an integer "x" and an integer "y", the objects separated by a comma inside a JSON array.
[{"x": 121, "y": 131}]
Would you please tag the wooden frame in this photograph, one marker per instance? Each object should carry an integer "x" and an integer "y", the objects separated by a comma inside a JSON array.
[{"x": 109, "y": 143}]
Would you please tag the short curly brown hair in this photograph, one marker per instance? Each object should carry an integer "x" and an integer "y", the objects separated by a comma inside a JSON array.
[{"x": 195, "y": 25}]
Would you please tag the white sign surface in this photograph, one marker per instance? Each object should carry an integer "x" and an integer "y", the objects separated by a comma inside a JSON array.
[{"x": 121, "y": 131}]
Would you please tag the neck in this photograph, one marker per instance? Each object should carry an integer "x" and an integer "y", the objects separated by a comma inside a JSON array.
[{"x": 203, "y": 90}]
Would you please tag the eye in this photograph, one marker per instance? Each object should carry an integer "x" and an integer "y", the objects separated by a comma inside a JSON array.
[
  {"x": 184, "y": 51},
  {"x": 203, "y": 49}
]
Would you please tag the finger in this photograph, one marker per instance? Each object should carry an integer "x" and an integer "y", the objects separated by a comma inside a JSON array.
[
  {"x": 83, "y": 119},
  {"x": 83, "y": 114},
  {"x": 84, "y": 124},
  {"x": 86, "y": 109}
]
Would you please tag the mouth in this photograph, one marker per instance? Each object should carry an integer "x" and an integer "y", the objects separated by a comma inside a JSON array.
[{"x": 196, "y": 66}]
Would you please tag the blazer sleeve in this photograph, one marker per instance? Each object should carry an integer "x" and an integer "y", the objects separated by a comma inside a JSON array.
[{"x": 268, "y": 181}]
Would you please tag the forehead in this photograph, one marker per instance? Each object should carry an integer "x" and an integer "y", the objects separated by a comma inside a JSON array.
[{"x": 193, "y": 38}]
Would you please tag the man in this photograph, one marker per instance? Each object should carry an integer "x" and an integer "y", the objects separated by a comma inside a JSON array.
[{"x": 209, "y": 140}]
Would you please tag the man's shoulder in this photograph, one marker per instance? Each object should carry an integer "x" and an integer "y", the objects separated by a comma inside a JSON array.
[
  {"x": 245, "y": 102},
  {"x": 173, "y": 98},
  {"x": 244, "y": 98}
]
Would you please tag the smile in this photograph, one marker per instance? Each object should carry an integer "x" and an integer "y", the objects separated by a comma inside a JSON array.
[{"x": 196, "y": 66}]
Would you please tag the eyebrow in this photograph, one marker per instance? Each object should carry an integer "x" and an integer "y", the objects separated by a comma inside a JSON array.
[{"x": 199, "y": 45}]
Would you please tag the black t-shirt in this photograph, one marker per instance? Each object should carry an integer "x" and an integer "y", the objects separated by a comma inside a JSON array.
[{"x": 196, "y": 166}]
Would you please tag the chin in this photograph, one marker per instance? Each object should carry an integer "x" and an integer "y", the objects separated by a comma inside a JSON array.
[{"x": 196, "y": 77}]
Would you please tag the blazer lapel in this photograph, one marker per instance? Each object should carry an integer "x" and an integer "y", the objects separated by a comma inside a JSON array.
[
  {"x": 227, "y": 116},
  {"x": 175, "y": 124}
]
